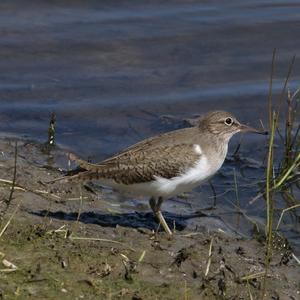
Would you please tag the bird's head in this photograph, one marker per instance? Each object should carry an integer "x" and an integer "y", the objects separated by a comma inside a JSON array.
[{"x": 224, "y": 124}]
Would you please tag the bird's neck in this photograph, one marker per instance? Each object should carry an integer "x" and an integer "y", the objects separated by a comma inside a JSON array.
[{"x": 214, "y": 145}]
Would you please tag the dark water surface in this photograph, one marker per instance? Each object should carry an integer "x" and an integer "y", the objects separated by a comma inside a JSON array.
[{"x": 111, "y": 69}]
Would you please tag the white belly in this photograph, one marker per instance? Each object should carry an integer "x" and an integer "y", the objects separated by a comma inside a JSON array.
[{"x": 163, "y": 187}]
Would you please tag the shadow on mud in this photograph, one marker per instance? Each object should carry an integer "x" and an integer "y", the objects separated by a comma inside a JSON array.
[{"x": 132, "y": 220}]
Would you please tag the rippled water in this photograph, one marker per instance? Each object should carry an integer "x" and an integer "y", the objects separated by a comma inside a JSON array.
[{"x": 111, "y": 70}]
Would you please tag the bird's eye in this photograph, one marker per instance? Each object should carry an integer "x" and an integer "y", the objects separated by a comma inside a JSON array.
[{"x": 228, "y": 121}]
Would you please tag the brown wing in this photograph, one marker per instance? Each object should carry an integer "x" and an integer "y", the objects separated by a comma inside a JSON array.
[
  {"x": 147, "y": 145},
  {"x": 142, "y": 164},
  {"x": 175, "y": 137}
]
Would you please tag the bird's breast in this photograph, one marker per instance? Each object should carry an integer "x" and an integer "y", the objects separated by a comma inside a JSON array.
[{"x": 192, "y": 177}]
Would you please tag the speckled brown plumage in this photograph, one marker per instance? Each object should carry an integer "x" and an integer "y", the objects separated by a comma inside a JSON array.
[{"x": 142, "y": 164}]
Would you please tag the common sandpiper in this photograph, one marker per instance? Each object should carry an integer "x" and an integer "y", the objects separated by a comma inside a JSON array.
[{"x": 168, "y": 164}]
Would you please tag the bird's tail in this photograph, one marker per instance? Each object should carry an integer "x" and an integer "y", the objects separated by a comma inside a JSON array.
[
  {"x": 83, "y": 163},
  {"x": 82, "y": 176},
  {"x": 89, "y": 172}
]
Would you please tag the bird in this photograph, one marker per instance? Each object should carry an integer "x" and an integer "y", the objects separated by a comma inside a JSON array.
[{"x": 168, "y": 164}]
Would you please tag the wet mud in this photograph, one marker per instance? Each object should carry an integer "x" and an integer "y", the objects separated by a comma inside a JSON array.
[{"x": 75, "y": 241}]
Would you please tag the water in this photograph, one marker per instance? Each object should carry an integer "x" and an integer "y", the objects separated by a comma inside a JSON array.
[{"x": 110, "y": 70}]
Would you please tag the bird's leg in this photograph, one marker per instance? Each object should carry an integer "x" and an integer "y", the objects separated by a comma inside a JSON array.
[
  {"x": 161, "y": 217},
  {"x": 155, "y": 206},
  {"x": 152, "y": 203}
]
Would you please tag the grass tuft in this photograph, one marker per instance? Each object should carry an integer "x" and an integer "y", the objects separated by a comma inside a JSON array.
[{"x": 283, "y": 177}]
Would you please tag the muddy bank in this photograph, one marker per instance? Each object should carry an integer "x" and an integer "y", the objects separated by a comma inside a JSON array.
[{"x": 80, "y": 242}]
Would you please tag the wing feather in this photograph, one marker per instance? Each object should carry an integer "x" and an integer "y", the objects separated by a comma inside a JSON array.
[{"x": 143, "y": 164}]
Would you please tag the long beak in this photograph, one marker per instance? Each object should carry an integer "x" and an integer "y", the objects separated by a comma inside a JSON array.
[{"x": 246, "y": 128}]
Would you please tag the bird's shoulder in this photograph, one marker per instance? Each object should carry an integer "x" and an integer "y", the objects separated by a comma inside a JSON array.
[{"x": 163, "y": 145}]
